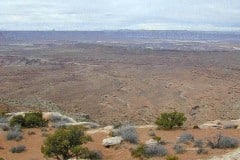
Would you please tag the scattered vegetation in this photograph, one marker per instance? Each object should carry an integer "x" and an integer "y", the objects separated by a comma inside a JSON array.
[
  {"x": 17, "y": 120},
  {"x": 117, "y": 125},
  {"x": 155, "y": 150},
  {"x": 114, "y": 133},
  {"x": 149, "y": 151},
  {"x": 139, "y": 151},
  {"x": 198, "y": 143},
  {"x": 14, "y": 133},
  {"x": 34, "y": 119},
  {"x": 18, "y": 149},
  {"x": 129, "y": 133},
  {"x": 185, "y": 138},
  {"x": 66, "y": 143},
  {"x": 230, "y": 126},
  {"x": 3, "y": 111},
  {"x": 30, "y": 120},
  {"x": 159, "y": 140},
  {"x": 58, "y": 120},
  {"x": 170, "y": 120},
  {"x": 222, "y": 142},
  {"x": 96, "y": 155},
  {"x": 179, "y": 149},
  {"x": 3, "y": 119},
  {"x": 170, "y": 157}
]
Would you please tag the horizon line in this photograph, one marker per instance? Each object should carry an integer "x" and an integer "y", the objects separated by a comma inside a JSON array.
[{"x": 114, "y": 30}]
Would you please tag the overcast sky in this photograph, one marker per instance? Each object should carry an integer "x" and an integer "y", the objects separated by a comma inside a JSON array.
[{"x": 120, "y": 14}]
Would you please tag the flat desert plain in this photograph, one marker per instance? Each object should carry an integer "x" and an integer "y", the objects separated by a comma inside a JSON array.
[{"x": 111, "y": 82}]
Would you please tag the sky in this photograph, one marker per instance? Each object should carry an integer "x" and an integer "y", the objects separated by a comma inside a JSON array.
[{"x": 210, "y": 15}]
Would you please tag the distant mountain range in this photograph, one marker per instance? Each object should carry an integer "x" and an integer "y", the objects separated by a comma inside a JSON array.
[{"x": 118, "y": 36}]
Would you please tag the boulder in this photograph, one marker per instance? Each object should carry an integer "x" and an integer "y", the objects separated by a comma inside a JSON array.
[
  {"x": 151, "y": 141},
  {"x": 112, "y": 141},
  {"x": 85, "y": 124},
  {"x": 211, "y": 124}
]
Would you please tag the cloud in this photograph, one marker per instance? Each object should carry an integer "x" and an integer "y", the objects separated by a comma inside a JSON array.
[{"x": 121, "y": 14}]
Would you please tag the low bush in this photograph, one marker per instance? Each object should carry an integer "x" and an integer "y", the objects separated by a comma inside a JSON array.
[
  {"x": 18, "y": 149},
  {"x": 169, "y": 157},
  {"x": 159, "y": 140},
  {"x": 129, "y": 133},
  {"x": 3, "y": 111},
  {"x": 14, "y": 134},
  {"x": 3, "y": 119},
  {"x": 179, "y": 149},
  {"x": 230, "y": 126},
  {"x": 17, "y": 120},
  {"x": 114, "y": 133},
  {"x": 96, "y": 155},
  {"x": 155, "y": 150},
  {"x": 185, "y": 138},
  {"x": 149, "y": 151},
  {"x": 139, "y": 151},
  {"x": 30, "y": 120},
  {"x": 222, "y": 142},
  {"x": 170, "y": 120},
  {"x": 117, "y": 125},
  {"x": 198, "y": 143},
  {"x": 34, "y": 119},
  {"x": 65, "y": 143}
]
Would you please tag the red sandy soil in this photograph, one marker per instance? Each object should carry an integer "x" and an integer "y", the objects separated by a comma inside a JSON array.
[{"x": 33, "y": 144}]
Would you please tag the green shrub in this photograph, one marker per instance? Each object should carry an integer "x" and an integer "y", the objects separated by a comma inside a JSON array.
[
  {"x": 17, "y": 120},
  {"x": 34, "y": 119},
  {"x": 139, "y": 151},
  {"x": 30, "y": 120},
  {"x": 66, "y": 143},
  {"x": 3, "y": 111},
  {"x": 169, "y": 157},
  {"x": 96, "y": 155},
  {"x": 150, "y": 150},
  {"x": 170, "y": 120}
]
